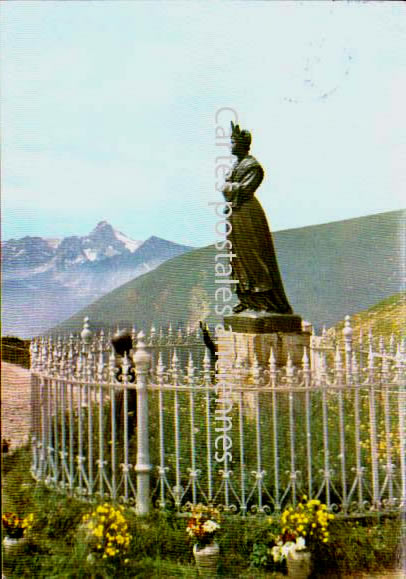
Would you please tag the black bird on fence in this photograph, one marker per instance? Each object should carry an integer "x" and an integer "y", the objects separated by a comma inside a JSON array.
[{"x": 210, "y": 345}]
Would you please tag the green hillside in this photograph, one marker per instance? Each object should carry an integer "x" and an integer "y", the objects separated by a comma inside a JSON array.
[
  {"x": 178, "y": 291},
  {"x": 385, "y": 318},
  {"x": 329, "y": 271}
]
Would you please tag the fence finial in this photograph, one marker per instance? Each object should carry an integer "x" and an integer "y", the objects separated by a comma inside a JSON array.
[
  {"x": 160, "y": 367},
  {"x": 86, "y": 333},
  {"x": 305, "y": 360},
  {"x": 206, "y": 368},
  {"x": 255, "y": 370},
  {"x": 347, "y": 333},
  {"x": 190, "y": 369},
  {"x": 338, "y": 366},
  {"x": 354, "y": 368},
  {"x": 34, "y": 353},
  {"x": 290, "y": 369},
  {"x": 371, "y": 365},
  {"x": 112, "y": 364},
  {"x": 272, "y": 361},
  {"x": 152, "y": 335}
]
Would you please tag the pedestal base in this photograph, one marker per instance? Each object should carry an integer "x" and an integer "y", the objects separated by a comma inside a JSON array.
[
  {"x": 252, "y": 335},
  {"x": 250, "y": 322}
]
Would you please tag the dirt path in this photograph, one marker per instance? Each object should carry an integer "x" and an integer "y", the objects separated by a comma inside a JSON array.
[{"x": 15, "y": 404}]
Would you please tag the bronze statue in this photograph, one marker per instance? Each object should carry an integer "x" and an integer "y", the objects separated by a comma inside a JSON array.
[{"x": 255, "y": 266}]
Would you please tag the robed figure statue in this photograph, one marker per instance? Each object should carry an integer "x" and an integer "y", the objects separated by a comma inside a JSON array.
[{"x": 254, "y": 266}]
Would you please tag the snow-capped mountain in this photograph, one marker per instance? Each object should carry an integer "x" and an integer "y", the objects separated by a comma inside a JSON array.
[
  {"x": 47, "y": 280},
  {"x": 37, "y": 254}
]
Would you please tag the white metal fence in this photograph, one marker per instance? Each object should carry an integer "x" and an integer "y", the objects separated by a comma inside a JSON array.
[{"x": 164, "y": 433}]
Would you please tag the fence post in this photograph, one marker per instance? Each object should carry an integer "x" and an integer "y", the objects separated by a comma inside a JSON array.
[
  {"x": 35, "y": 407},
  {"x": 142, "y": 362},
  {"x": 35, "y": 402},
  {"x": 347, "y": 333}
]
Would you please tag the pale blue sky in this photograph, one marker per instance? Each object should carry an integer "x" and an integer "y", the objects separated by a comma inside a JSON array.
[{"x": 108, "y": 112}]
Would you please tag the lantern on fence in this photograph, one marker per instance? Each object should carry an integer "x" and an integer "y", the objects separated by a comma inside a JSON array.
[{"x": 122, "y": 343}]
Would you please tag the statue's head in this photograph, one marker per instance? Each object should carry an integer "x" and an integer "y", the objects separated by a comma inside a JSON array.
[{"x": 240, "y": 140}]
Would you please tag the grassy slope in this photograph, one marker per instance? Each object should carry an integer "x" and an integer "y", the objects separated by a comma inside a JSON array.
[
  {"x": 384, "y": 319},
  {"x": 179, "y": 291}
]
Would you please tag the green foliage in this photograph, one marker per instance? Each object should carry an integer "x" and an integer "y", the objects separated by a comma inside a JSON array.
[
  {"x": 385, "y": 318},
  {"x": 259, "y": 555},
  {"x": 366, "y": 544},
  {"x": 159, "y": 547}
]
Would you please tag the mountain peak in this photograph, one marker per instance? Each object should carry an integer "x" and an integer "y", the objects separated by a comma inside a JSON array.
[{"x": 102, "y": 225}]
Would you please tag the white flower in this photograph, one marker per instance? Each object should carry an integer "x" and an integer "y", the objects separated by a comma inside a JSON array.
[
  {"x": 276, "y": 553},
  {"x": 282, "y": 550},
  {"x": 286, "y": 548},
  {"x": 300, "y": 544},
  {"x": 210, "y": 526}
]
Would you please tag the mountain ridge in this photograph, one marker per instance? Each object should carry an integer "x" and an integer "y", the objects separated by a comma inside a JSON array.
[
  {"x": 46, "y": 281},
  {"x": 329, "y": 271}
]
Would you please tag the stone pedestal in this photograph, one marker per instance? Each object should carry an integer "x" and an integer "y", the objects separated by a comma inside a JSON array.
[
  {"x": 250, "y": 322},
  {"x": 253, "y": 334}
]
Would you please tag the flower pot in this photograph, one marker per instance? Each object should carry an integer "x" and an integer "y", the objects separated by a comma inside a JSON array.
[
  {"x": 299, "y": 564},
  {"x": 207, "y": 559},
  {"x": 11, "y": 544}
]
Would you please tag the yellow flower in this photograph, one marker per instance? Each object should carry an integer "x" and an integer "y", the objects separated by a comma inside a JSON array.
[{"x": 98, "y": 532}]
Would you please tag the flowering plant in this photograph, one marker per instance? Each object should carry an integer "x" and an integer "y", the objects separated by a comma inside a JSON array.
[
  {"x": 15, "y": 526},
  {"x": 203, "y": 524},
  {"x": 302, "y": 527},
  {"x": 281, "y": 550},
  {"x": 107, "y": 530}
]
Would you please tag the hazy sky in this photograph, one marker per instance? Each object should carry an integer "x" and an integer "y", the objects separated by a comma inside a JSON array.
[{"x": 108, "y": 112}]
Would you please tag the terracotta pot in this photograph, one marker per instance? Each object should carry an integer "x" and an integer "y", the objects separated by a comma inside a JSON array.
[
  {"x": 207, "y": 558},
  {"x": 299, "y": 564}
]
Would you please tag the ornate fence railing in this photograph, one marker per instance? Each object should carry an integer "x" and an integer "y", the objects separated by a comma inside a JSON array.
[{"x": 170, "y": 433}]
